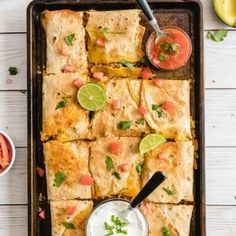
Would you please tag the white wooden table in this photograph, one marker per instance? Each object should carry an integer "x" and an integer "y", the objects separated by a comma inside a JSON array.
[{"x": 220, "y": 82}]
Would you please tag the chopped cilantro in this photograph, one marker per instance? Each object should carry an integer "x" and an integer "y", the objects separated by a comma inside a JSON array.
[
  {"x": 109, "y": 163},
  {"x": 139, "y": 168},
  {"x": 170, "y": 47},
  {"x": 13, "y": 70},
  {"x": 218, "y": 35},
  {"x": 166, "y": 232},
  {"x": 62, "y": 103},
  {"x": 68, "y": 225},
  {"x": 117, "y": 226},
  {"x": 69, "y": 39},
  {"x": 125, "y": 124},
  {"x": 116, "y": 174},
  {"x": 128, "y": 64},
  {"x": 105, "y": 31},
  {"x": 159, "y": 113},
  {"x": 60, "y": 177},
  {"x": 170, "y": 191},
  {"x": 163, "y": 57},
  {"x": 156, "y": 108},
  {"x": 140, "y": 121}
]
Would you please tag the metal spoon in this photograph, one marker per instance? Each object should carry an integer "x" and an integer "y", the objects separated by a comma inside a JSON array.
[
  {"x": 148, "y": 188},
  {"x": 152, "y": 20}
]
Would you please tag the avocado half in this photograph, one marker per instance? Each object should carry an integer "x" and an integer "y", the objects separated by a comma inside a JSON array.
[{"x": 226, "y": 11}]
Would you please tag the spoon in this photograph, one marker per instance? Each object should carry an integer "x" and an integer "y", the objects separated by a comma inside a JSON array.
[
  {"x": 152, "y": 20},
  {"x": 148, "y": 188}
]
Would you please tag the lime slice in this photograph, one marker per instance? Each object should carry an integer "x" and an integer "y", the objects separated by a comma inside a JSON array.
[
  {"x": 150, "y": 142},
  {"x": 91, "y": 97}
]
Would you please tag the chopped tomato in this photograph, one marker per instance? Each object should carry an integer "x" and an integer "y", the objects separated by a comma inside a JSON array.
[
  {"x": 146, "y": 73},
  {"x": 116, "y": 104},
  {"x": 40, "y": 171},
  {"x": 86, "y": 180},
  {"x": 70, "y": 210},
  {"x": 158, "y": 82},
  {"x": 42, "y": 214},
  {"x": 98, "y": 75},
  {"x": 142, "y": 110},
  {"x": 5, "y": 158},
  {"x": 115, "y": 148},
  {"x": 144, "y": 208},
  {"x": 100, "y": 42},
  {"x": 78, "y": 83},
  {"x": 124, "y": 167},
  {"x": 168, "y": 106},
  {"x": 65, "y": 52},
  {"x": 68, "y": 68},
  {"x": 163, "y": 156}
]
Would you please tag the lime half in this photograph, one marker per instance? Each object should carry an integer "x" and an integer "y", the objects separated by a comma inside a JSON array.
[
  {"x": 150, "y": 142},
  {"x": 91, "y": 97}
]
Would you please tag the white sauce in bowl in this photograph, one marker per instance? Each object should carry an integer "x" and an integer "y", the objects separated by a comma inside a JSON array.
[{"x": 136, "y": 226}]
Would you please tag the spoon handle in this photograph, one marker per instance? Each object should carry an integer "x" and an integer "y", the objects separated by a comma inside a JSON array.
[
  {"x": 146, "y": 9},
  {"x": 148, "y": 188}
]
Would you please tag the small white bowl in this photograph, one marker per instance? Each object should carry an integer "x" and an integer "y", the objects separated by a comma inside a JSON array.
[{"x": 13, "y": 153}]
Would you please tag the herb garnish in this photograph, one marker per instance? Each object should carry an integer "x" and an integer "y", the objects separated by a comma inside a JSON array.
[
  {"x": 60, "y": 177},
  {"x": 140, "y": 121},
  {"x": 68, "y": 225},
  {"x": 157, "y": 108},
  {"x": 170, "y": 191},
  {"x": 125, "y": 124},
  {"x": 13, "y": 70},
  {"x": 163, "y": 57},
  {"x": 166, "y": 232},
  {"x": 116, "y": 174},
  {"x": 105, "y": 31},
  {"x": 217, "y": 36},
  {"x": 139, "y": 168},
  {"x": 170, "y": 47},
  {"x": 118, "y": 226},
  {"x": 128, "y": 64},
  {"x": 109, "y": 163},
  {"x": 69, "y": 39},
  {"x": 62, "y": 103}
]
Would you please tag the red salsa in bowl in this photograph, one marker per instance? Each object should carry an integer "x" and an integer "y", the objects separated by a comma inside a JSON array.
[{"x": 170, "y": 52}]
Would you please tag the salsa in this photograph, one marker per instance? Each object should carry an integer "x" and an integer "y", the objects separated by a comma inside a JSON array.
[
  {"x": 170, "y": 52},
  {"x": 5, "y": 153}
]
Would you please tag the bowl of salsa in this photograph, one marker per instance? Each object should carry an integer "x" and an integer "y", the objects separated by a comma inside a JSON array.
[
  {"x": 170, "y": 52},
  {"x": 7, "y": 153}
]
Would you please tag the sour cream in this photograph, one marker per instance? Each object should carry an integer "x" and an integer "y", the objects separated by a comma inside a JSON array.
[{"x": 136, "y": 224}]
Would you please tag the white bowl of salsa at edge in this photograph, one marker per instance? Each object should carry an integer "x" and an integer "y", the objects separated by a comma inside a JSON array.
[{"x": 11, "y": 152}]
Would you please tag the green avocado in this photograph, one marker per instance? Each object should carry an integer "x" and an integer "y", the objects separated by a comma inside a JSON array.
[{"x": 226, "y": 11}]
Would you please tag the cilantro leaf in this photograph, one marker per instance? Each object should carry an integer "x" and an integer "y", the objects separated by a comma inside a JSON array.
[
  {"x": 68, "y": 225},
  {"x": 116, "y": 174},
  {"x": 163, "y": 57},
  {"x": 170, "y": 191},
  {"x": 139, "y": 168},
  {"x": 125, "y": 124},
  {"x": 62, "y": 103},
  {"x": 13, "y": 70},
  {"x": 60, "y": 177},
  {"x": 69, "y": 39},
  {"x": 166, "y": 232},
  {"x": 105, "y": 31},
  {"x": 155, "y": 107},
  {"x": 128, "y": 64},
  {"x": 170, "y": 47},
  {"x": 140, "y": 121},
  {"x": 218, "y": 35},
  {"x": 109, "y": 163}
]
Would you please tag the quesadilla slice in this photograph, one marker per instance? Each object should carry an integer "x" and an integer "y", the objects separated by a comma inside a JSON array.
[
  {"x": 176, "y": 161},
  {"x": 67, "y": 170}
]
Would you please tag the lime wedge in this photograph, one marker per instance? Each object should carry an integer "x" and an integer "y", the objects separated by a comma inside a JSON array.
[
  {"x": 150, "y": 142},
  {"x": 91, "y": 97}
]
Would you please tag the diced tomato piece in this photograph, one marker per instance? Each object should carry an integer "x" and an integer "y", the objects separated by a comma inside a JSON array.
[
  {"x": 100, "y": 42},
  {"x": 40, "y": 171},
  {"x": 115, "y": 148},
  {"x": 124, "y": 167},
  {"x": 70, "y": 210},
  {"x": 168, "y": 106},
  {"x": 65, "y": 52},
  {"x": 42, "y": 214},
  {"x": 158, "y": 82},
  {"x": 116, "y": 104},
  {"x": 5, "y": 159},
  {"x": 98, "y": 75},
  {"x": 68, "y": 68},
  {"x": 86, "y": 180},
  {"x": 146, "y": 73},
  {"x": 78, "y": 83},
  {"x": 142, "y": 110},
  {"x": 144, "y": 208},
  {"x": 163, "y": 156}
]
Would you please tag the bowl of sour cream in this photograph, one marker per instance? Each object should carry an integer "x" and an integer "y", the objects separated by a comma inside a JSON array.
[{"x": 107, "y": 218}]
